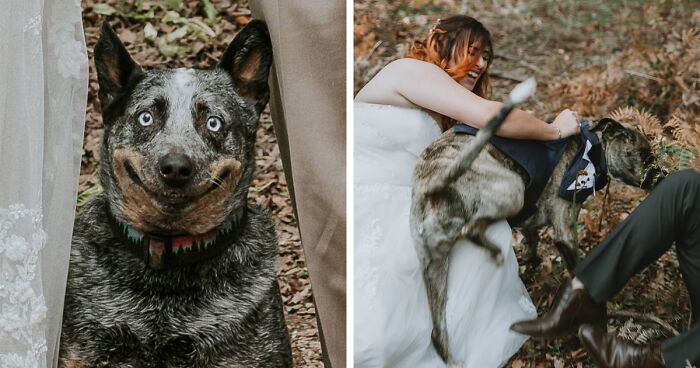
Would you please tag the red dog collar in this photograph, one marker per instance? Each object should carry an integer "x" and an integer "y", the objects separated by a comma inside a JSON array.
[{"x": 167, "y": 251}]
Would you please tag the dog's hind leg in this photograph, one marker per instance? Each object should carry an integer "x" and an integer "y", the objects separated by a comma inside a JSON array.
[
  {"x": 439, "y": 235},
  {"x": 435, "y": 278},
  {"x": 475, "y": 231}
]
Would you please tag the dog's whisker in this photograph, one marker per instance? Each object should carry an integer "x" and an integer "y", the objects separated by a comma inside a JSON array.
[{"x": 216, "y": 181}]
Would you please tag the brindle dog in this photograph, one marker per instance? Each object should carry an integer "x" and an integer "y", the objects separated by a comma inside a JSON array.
[
  {"x": 492, "y": 189},
  {"x": 170, "y": 265}
]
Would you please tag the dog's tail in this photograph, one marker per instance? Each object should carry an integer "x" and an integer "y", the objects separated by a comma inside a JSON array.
[{"x": 470, "y": 151}]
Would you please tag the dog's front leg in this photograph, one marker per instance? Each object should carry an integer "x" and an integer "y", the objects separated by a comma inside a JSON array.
[
  {"x": 531, "y": 238},
  {"x": 114, "y": 347},
  {"x": 565, "y": 233}
]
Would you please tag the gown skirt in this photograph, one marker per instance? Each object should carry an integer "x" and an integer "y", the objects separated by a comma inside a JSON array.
[{"x": 392, "y": 323}]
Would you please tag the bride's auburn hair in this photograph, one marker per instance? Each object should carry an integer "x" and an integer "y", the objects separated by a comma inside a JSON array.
[{"x": 455, "y": 37}]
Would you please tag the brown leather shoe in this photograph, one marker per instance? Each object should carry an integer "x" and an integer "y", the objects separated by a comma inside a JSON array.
[
  {"x": 610, "y": 351},
  {"x": 571, "y": 308}
]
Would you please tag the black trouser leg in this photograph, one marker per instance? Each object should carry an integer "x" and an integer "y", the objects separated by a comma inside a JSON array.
[
  {"x": 683, "y": 349},
  {"x": 688, "y": 249},
  {"x": 670, "y": 214}
]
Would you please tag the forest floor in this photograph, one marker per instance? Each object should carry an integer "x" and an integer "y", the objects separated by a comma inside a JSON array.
[
  {"x": 637, "y": 61},
  {"x": 194, "y": 34}
]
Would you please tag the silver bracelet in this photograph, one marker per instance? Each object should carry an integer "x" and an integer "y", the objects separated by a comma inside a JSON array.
[{"x": 558, "y": 131}]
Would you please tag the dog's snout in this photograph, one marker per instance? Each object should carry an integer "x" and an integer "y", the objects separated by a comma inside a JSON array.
[{"x": 176, "y": 169}]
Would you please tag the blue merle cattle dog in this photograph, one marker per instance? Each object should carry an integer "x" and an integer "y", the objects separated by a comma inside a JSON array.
[{"x": 170, "y": 266}]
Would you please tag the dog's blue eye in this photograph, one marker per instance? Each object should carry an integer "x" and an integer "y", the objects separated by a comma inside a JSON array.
[
  {"x": 213, "y": 123},
  {"x": 145, "y": 118}
]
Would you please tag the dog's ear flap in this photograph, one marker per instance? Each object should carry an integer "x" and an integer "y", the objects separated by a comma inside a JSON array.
[
  {"x": 115, "y": 68},
  {"x": 608, "y": 126},
  {"x": 248, "y": 60},
  {"x": 611, "y": 128}
]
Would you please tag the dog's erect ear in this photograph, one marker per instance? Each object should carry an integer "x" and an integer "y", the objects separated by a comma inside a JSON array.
[
  {"x": 115, "y": 67},
  {"x": 608, "y": 127},
  {"x": 248, "y": 59}
]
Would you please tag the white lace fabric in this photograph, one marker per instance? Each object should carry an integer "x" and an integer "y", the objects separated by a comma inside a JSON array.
[
  {"x": 22, "y": 304},
  {"x": 43, "y": 90}
]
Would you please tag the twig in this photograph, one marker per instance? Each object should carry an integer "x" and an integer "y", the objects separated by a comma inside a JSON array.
[
  {"x": 643, "y": 75},
  {"x": 241, "y": 12},
  {"x": 374, "y": 48},
  {"x": 522, "y": 62},
  {"x": 504, "y": 75},
  {"x": 690, "y": 320},
  {"x": 605, "y": 201},
  {"x": 507, "y": 57},
  {"x": 644, "y": 317}
]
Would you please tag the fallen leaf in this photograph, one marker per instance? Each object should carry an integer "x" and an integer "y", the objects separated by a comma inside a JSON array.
[
  {"x": 104, "y": 9},
  {"x": 149, "y": 32}
]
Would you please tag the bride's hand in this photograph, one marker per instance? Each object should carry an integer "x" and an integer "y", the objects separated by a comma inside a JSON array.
[{"x": 567, "y": 123}]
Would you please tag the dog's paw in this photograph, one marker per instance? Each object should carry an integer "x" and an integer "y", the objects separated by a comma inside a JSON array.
[{"x": 498, "y": 258}]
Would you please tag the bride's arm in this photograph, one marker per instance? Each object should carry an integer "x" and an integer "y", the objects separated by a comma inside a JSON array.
[{"x": 427, "y": 85}]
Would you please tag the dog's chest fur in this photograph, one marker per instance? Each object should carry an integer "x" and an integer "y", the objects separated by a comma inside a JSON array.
[{"x": 222, "y": 312}]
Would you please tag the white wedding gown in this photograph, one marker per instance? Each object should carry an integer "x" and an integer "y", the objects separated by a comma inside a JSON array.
[{"x": 391, "y": 314}]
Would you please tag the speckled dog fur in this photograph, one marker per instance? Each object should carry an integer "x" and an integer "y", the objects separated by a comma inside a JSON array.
[
  {"x": 492, "y": 189},
  {"x": 221, "y": 312}
]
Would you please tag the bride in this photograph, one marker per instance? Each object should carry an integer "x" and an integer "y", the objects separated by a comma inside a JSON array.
[{"x": 405, "y": 107}]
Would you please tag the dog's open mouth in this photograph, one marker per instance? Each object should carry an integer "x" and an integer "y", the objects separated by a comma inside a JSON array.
[
  {"x": 177, "y": 197},
  {"x": 193, "y": 209}
]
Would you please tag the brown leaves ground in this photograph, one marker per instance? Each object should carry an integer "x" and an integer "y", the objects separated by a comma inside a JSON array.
[
  {"x": 131, "y": 21},
  {"x": 597, "y": 57}
]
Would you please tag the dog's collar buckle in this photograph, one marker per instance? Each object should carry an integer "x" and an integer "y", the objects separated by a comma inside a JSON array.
[
  {"x": 162, "y": 252},
  {"x": 156, "y": 250}
]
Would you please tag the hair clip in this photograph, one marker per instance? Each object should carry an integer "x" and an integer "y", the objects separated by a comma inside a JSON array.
[{"x": 437, "y": 23}]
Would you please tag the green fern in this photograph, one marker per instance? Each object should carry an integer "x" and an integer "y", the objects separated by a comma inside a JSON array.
[
  {"x": 86, "y": 195},
  {"x": 671, "y": 157}
]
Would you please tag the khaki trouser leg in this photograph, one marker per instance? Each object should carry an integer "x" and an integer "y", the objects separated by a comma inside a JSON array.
[{"x": 308, "y": 110}]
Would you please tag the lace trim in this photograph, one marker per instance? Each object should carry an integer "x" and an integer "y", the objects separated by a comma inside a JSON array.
[
  {"x": 367, "y": 272},
  {"x": 22, "y": 305},
  {"x": 367, "y": 243},
  {"x": 383, "y": 139},
  {"x": 65, "y": 44},
  {"x": 385, "y": 107},
  {"x": 33, "y": 25},
  {"x": 386, "y": 141}
]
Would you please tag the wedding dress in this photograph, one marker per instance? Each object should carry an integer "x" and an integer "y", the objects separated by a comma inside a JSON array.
[
  {"x": 391, "y": 314},
  {"x": 43, "y": 90}
]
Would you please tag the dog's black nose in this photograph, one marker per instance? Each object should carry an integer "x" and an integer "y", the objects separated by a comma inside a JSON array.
[{"x": 175, "y": 169}]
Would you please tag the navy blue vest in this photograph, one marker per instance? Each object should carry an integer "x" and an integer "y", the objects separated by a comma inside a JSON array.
[{"x": 538, "y": 159}]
